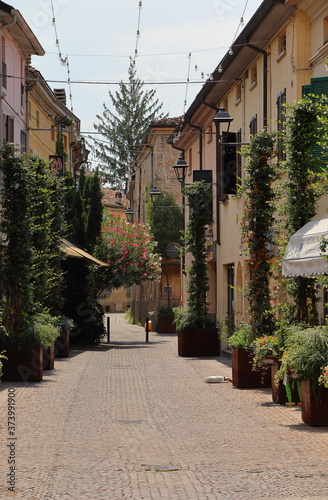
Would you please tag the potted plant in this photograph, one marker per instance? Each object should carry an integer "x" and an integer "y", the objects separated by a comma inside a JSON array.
[
  {"x": 62, "y": 341},
  {"x": 197, "y": 333},
  {"x": 165, "y": 319},
  {"x": 305, "y": 359},
  {"x": 241, "y": 343},
  {"x": 24, "y": 348}
]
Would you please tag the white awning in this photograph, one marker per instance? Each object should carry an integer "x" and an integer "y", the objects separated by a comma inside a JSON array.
[
  {"x": 72, "y": 250},
  {"x": 303, "y": 256}
]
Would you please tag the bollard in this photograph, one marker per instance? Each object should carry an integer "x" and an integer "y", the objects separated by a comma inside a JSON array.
[
  {"x": 147, "y": 328},
  {"x": 108, "y": 329}
]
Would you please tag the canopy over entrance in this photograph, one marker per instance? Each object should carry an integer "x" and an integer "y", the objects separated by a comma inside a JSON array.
[
  {"x": 303, "y": 255},
  {"x": 72, "y": 250}
]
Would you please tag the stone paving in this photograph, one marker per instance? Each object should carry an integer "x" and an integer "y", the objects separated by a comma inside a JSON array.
[{"x": 132, "y": 420}]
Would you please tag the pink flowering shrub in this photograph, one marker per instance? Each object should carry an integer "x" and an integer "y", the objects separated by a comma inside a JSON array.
[{"x": 128, "y": 249}]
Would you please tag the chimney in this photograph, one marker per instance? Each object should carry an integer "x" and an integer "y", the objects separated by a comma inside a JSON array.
[{"x": 61, "y": 95}]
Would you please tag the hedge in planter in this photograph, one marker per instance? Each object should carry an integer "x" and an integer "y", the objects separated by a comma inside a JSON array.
[{"x": 197, "y": 333}]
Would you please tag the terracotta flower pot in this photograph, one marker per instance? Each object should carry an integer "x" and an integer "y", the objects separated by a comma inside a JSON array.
[
  {"x": 196, "y": 342},
  {"x": 243, "y": 375},
  {"x": 23, "y": 364},
  {"x": 314, "y": 412}
]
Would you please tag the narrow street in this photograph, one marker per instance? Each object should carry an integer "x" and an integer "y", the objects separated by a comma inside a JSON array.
[{"x": 132, "y": 420}]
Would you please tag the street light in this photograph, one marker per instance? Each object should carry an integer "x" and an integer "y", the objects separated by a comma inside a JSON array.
[
  {"x": 180, "y": 169},
  {"x": 154, "y": 192},
  {"x": 221, "y": 117},
  {"x": 129, "y": 213}
]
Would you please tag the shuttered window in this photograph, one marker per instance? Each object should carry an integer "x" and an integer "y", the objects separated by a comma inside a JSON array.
[
  {"x": 281, "y": 122},
  {"x": 317, "y": 87},
  {"x": 9, "y": 129},
  {"x": 23, "y": 141}
]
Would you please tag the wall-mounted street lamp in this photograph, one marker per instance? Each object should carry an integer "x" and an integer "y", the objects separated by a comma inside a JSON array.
[
  {"x": 154, "y": 192},
  {"x": 222, "y": 117},
  {"x": 180, "y": 169},
  {"x": 129, "y": 213}
]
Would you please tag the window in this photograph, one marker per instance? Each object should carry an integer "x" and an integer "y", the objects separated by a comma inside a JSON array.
[
  {"x": 9, "y": 136},
  {"x": 325, "y": 30},
  {"x": 230, "y": 293},
  {"x": 281, "y": 46},
  {"x": 253, "y": 76},
  {"x": 210, "y": 134},
  {"x": 238, "y": 93},
  {"x": 23, "y": 141},
  {"x": 253, "y": 125},
  {"x": 238, "y": 148},
  {"x": 281, "y": 119},
  {"x": 22, "y": 95},
  {"x": 317, "y": 86},
  {"x": 4, "y": 65},
  {"x": 53, "y": 133},
  {"x": 229, "y": 164},
  {"x": 37, "y": 119}
]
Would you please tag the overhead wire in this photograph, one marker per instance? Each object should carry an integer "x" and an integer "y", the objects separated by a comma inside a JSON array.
[{"x": 63, "y": 60}]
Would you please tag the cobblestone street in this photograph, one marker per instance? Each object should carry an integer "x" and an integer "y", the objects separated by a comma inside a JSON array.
[{"x": 132, "y": 420}]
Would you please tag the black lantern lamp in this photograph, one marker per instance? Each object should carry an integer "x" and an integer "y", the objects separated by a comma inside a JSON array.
[
  {"x": 180, "y": 169},
  {"x": 129, "y": 213},
  {"x": 222, "y": 116},
  {"x": 154, "y": 192}
]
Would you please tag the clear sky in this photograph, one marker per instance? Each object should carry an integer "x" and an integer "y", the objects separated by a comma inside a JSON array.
[{"x": 99, "y": 37}]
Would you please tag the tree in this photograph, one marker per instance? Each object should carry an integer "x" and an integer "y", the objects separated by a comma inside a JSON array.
[
  {"x": 124, "y": 131},
  {"x": 84, "y": 218},
  {"x": 129, "y": 251},
  {"x": 166, "y": 224}
]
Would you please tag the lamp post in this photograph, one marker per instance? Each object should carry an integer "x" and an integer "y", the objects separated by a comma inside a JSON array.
[
  {"x": 221, "y": 117},
  {"x": 129, "y": 213},
  {"x": 180, "y": 169}
]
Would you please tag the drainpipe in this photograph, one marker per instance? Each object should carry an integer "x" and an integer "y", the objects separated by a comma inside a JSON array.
[
  {"x": 4, "y": 26},
  {"x": 265, "y": 81}
]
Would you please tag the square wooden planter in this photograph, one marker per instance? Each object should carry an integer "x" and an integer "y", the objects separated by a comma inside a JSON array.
[
  {"x": 198, "y": 342},
  {"x": 314, "y": 413},
  {"x": 22, "y": 365},
  {"x": 165, "y": 325},
  {"x": 49, "y": 358},
  {"x": 62, "y": 344},
  {"x": 243, "y": 375}
]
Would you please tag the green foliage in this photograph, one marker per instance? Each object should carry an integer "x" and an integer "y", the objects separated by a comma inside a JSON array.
[
  {"x": 306, "y": 354},
  {"x": 165, "y": 312},
  {"x": 165, "y": 220},
  {"x": 258, "y": 229},
  {"x": 124, "y": 131},
  {"x": 89, "y": 320},
  {"x": 263, "y": 347},
  {"x": 199, "y": 196},
  {"x": 128, "y": 316},
  {"x": 306, "y": 182},
  {"x": 243, "y": 337},
  {"x": 188, "y": 318},
  {"x": 42, "y": 330},
  {"x": 30, "y": 274}
]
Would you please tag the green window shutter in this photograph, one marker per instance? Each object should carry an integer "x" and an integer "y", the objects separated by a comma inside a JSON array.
[
  {"x": 306, "y": 90},
  {"x": 318, "y": 86}
]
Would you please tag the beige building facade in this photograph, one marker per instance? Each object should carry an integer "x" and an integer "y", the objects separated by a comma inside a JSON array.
[{"x": 282, "y": 49}]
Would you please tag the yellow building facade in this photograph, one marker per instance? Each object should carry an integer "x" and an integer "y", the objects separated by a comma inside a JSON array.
[{"x": 283, "y": 48}]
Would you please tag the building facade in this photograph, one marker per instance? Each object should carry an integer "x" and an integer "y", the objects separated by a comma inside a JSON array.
[{"x": 280, "y": 51}]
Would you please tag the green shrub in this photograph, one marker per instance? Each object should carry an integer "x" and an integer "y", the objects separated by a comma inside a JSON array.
[{"x": 243, "y": 337}]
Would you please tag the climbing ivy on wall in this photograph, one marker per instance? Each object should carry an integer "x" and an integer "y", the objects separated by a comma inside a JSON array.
[{"x": 258, "y": 229}]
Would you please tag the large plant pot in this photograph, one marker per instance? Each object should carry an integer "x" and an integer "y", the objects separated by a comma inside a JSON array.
[
  {"x": 62, "y": 344},
  {"x": 22, "y": 365},
  {"x": 165, "y": 325},
  {"x": 314, "y": 413},
  {"x": 198, "y": 342},
  {"x": 49, "y": 358},
  {"x": 243, "y": 375}
]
